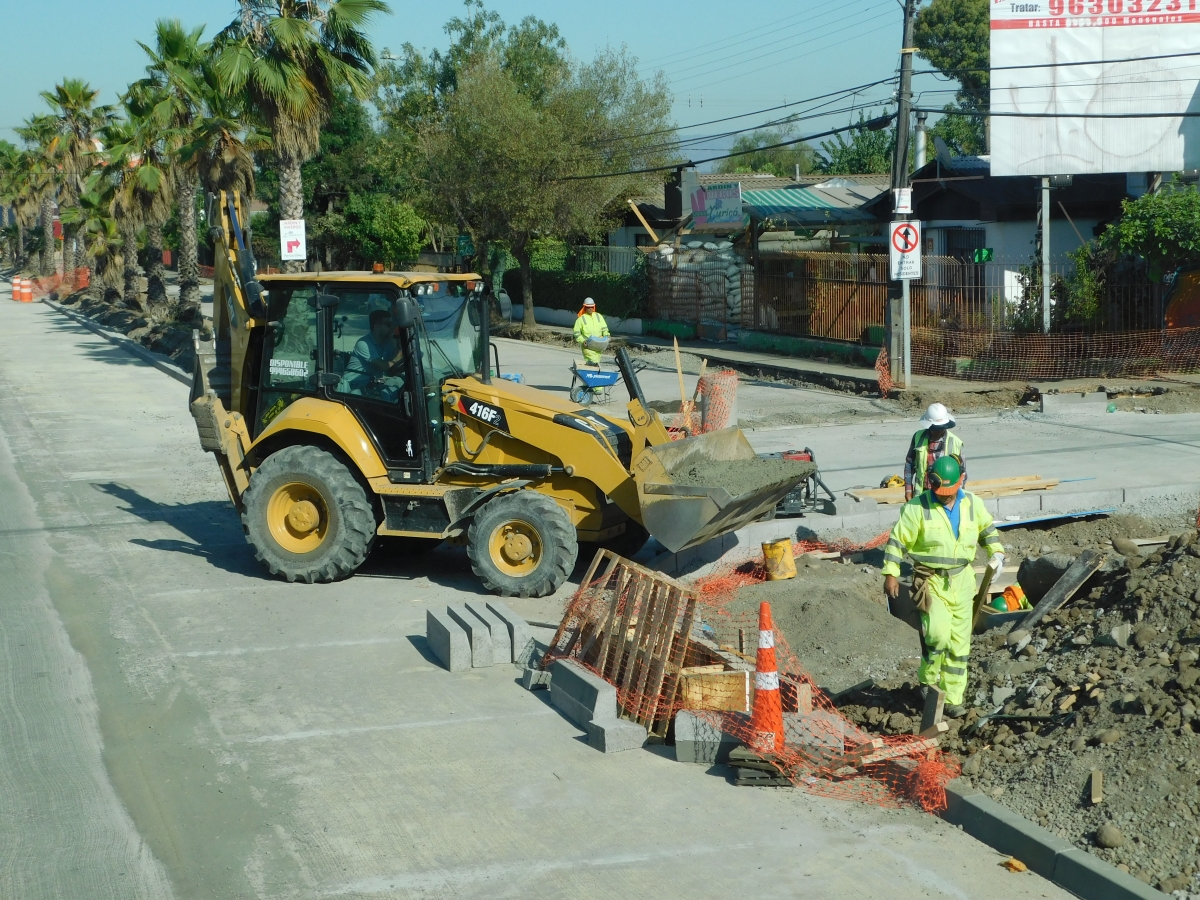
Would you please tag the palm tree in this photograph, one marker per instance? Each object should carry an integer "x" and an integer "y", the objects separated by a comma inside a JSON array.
[
  {"x": 141, "y": 175},
  {"x": 178, "y": 73},
  {"x": 10, "y": 161},
  {"x": 99, "y": 233},
  {"x": 288, "y": 57},
  {"x": 79, "y": 121},
  {"x": 40, "y": 133}
]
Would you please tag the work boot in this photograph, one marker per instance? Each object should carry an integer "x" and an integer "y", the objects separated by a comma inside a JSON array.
[{"x": 954, "y": 711}]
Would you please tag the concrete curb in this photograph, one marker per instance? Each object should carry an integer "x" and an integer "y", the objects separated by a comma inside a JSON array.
[
  {"x": 160, "y": 362},
  {"x": 1046, "y": 854}
]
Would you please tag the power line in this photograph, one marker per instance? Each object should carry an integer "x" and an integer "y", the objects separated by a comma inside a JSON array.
[
  {"x": 872, "y": 125},
  {"x": 1063, "y": 115},
  {"x": 1057, "y": 65},
  {"x": 653, "y": 63}
]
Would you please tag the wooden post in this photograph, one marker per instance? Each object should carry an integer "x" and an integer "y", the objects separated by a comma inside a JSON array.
[{"x": 935, "y": 700}]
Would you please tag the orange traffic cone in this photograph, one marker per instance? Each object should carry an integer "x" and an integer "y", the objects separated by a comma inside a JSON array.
[
  {"x": 17, "y": 287},
  {"x": 766, "y": 722}
]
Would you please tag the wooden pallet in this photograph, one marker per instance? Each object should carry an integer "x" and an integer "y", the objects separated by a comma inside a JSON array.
[
  {"x": 633, "y": 627},
  {"x": 995, "y": 487}
]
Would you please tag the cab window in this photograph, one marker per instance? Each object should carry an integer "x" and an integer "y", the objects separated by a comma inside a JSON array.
[{"x": 367, "y": 352}]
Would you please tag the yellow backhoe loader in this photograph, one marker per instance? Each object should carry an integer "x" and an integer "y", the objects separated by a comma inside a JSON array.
[{"x": 345, "y": 405}]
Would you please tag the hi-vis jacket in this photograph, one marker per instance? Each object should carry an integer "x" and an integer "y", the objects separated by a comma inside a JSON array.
[
  {"x": 590, "y": 325},
  {"x": 924, "y": 533},
  {"x": 921, "y": 459}
]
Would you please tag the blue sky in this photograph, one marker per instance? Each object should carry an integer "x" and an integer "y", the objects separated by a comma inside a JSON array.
[{"x": 722, "y": 59}]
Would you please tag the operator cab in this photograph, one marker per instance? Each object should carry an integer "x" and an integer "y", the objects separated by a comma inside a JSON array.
[{"x": 381, "y": 346}]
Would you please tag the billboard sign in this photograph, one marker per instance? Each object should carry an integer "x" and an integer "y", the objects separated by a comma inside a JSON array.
[
  {"x": 714, "y": 207},
  {"x": 1066, "y": 64}
]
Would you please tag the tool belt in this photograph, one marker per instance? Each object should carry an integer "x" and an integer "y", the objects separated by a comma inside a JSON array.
[{"x": 922, "y": 598}]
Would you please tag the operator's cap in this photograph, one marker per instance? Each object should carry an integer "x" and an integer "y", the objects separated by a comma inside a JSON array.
[
  {"x": 946, "y": 476},
  {"x": 588, "y": 301},
  {"x": 937, "y": 416}
]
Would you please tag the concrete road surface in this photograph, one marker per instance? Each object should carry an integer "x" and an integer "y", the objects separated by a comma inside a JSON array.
[{"x": 175, "y": 723}]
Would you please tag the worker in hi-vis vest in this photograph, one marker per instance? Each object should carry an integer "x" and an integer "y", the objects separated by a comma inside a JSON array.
[
  {"x": 930, "y": 444},
  {"x": 590, "y": 324},
  {"x": 939, "y": 530}
]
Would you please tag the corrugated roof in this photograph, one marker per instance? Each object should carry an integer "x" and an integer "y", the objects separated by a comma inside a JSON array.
[
  {"x": 805, "y": 206},
  {"x": 752, "y": 182}
]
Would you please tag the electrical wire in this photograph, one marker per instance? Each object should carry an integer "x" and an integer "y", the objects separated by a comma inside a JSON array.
[
  {"x": 1056, "y": 65},
  {"x": 654, "y": 63},
  {"x": 872, "y": 124},
  {"x": 1062, "y": 115}
]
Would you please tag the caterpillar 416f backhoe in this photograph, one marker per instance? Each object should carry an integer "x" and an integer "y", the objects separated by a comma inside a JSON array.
[{"x": 345, "y": 405}]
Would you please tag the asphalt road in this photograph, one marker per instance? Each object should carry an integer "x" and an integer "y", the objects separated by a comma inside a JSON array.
[{"x": 175, "y": 724}]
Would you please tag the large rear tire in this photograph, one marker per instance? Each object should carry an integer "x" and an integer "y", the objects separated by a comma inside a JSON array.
[
  {"x": 522, "y": 545},
  {"x": 307, "y": 517}
]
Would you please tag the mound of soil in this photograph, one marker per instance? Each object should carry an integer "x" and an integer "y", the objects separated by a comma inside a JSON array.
[
  {"x": 1122, "y": 655},
  {"x": 166, "y": 329},
  {"x": 834, "y": 619}
]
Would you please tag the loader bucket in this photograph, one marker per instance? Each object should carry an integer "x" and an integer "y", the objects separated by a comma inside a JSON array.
[{"x": 701, "y": 487}]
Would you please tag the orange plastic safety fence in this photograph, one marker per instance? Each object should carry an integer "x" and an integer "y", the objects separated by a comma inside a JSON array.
[
  {"x": 884, "y": 372},
  {"x": 1007, "y": 356},
  {"x": 75, "y": 280},
  {"x": 712, "y": 676}
]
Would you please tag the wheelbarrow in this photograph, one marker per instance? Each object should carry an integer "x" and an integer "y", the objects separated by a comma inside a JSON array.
[{"x": 588, "y": 387}]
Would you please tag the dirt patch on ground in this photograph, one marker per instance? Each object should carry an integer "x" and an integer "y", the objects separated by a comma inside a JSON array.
[
  {"x": 742, "y": 476},
  {"x": 834, "y": 620},
  {"x": 161, "y": 330},
  {"x": 917, "y": 400},
  {"x": 1126, "y": 649}
]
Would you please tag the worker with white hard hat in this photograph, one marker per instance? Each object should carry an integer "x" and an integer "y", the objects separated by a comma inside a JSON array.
[
  {"x": 590, "y": 325},
  {"x": 928, "y": 445}
]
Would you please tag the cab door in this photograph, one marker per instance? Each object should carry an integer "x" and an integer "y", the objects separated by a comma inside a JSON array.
[{"x": 376, "y": 375}]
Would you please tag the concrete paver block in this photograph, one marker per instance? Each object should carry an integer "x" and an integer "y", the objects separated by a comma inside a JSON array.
[
  {"x": 535, "y": 679},
  {"x": 519, "y": 634},
  {"x": 1094, "y": 879},
  {"x": 986, "y": 820},
  {"x": 447, "y": 641},
  {"x": 1077, "y": 501},
  {"x": 699, "y": 740},
  {"x": 478, "y": 634},
  {"x": 497, "y": 629},
  {"x": 580, "y": 695},
  {"x": 818, "y": 730},
  {"x": 1138, "y": 494},
  {"x": 614, "y": 735},
  {"x": 1018, "y": 505}
]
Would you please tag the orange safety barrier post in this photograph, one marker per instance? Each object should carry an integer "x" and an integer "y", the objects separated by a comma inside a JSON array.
[
  {"x": 16, "y": 289},
  {"x": 766, "y": 722}
]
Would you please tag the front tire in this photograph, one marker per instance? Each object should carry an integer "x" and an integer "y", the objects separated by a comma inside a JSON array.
[
  {"x": 522, "y": 545},
  {"x": 307, "y": 517}
]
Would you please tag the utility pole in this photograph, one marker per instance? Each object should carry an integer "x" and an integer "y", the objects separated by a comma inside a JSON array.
[
  {"x": 898, "y": 309},
  {"x": 1045, "y": 255}
]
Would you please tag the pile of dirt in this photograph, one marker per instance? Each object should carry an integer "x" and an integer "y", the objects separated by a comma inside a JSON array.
[
  {"x": 742, "y": 476},
  {"x": 166, "y": 328},
  {"x": 1122, "y": 656},
  {"x": 834, "y": 619}
]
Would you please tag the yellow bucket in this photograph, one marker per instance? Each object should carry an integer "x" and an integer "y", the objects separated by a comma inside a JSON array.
[{"x": 781, "y": 565}]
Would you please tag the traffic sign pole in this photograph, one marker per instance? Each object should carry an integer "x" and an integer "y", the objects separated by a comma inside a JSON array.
[{"x": 906, "y": 317}]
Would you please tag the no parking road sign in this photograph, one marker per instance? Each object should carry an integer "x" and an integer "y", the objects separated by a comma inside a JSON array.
[{"x": 905, "y": 251}]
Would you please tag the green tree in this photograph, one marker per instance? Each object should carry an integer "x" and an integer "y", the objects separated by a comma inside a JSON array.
[
  {"x": 381, "y": 229},
  {"x": 289, "y": 57},
  {"x": 868, "y": 152},
  {"x": 41, "y": 169},
  {"x": 955, "y": 36},
  {"x": 510, "y": 164},
  {"x": 80, "y": 120},
  {"x": 1162, "y": 228},
  {"x": 779, "y": 161},
  {"x": 963, "y": 130}
]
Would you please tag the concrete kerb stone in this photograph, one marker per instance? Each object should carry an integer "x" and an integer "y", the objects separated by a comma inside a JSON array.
[
  {"x": 447, "y": 641},
  {"x": 520, "y": 636},
  {"x": 580, "y": 695},
  {"x": 1047, "y": 854},
  {"x": 502, "y": 649},
  {"x": 614, "y": 735},
  {"x": 478, "y": 634},
  {"x": 1096, "y": 402},
  {"x": 698, "y": 740}
]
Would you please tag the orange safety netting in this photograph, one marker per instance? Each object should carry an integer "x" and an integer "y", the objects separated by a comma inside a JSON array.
[
  {"x": 711, "y": 675},
  {"x": 1007, "y": 356},
  {"x": 884, "y": 372},
  {"x": 76, "y": 280},
  {"x": 717, "y": 408}
]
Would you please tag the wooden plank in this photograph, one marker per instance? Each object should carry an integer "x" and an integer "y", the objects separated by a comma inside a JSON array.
[
  {"x": 565, "y": 623},
  {"x": 995, "y": 487},
  {"x": 935, "y": 730},
  {"x": 606, "y": 630},
  {"x": 613, "y": 667},
  {"x": 853, "y": 757},
  {"x": 935, "y": 700},
  {"x": 1064, "y": 589},
  {"x": 678, "y": 655},
  {"x": 658, "y": 651},
  {"x": 634, "y": 657},
  {"x": 1097, "y": 787},
  {"x": 716, "y": 691},
  {"x": 804, "y": 704},
  {"x": 905, "y": 749}
]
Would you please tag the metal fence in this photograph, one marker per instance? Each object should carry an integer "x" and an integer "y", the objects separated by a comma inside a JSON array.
[
  {"x": 616, "y": 260},
  {"x": 843, "y": 296}
]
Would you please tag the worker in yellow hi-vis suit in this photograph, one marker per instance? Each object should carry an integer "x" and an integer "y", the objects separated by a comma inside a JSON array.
[
  {"x": 939, "y": 529},
  {"x": 589, "y": 324}
]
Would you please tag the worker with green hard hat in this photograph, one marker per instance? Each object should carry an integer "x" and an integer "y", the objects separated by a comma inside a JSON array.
[
  {"x": 939, "y": 530},
  {"x": 934, "y": 441}
]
